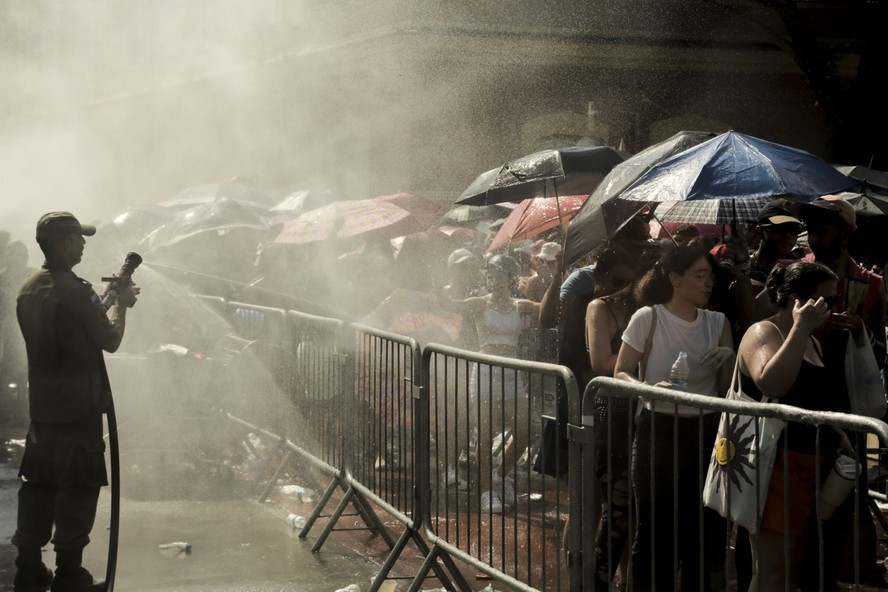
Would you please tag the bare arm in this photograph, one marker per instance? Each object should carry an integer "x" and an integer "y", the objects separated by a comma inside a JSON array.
[
  {"x": 550, "y": 305},
  {"x": 772, "y": 362},
  {"x": 469, "y": 306},
  {"x": 627, "y": 364},
  {"x": 529, "y": 307},
  {"x": 600, "y": 329},
  {"x": 726, "y": 370}
]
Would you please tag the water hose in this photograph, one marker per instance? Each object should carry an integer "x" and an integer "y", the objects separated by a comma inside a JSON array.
[{"x": 114, "y": 537}]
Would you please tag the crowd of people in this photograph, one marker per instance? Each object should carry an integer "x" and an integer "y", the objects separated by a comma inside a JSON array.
[{"x": 788, "y": 308}]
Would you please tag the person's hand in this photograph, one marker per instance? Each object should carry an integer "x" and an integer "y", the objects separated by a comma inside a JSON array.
[
  {"x": 717, "y": 356},
  {"x": 810, "y": 315},
  {"x": 737, "y": 247},
  {"x": 848, "y": 321},
  {"x": 665, "y": 384},
  {"x": 129, "y": 295},
  {"x": 845, "y": 446},
  {"x": 559, "y": 264}
]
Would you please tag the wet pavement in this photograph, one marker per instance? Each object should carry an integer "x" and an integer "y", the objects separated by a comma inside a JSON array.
[{"x": 237, "y": 544}]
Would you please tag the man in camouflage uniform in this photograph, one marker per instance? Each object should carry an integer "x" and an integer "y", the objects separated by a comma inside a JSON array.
[{"x": 66, "y": 328}]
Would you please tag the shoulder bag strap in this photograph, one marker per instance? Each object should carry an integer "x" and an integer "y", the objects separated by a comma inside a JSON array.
[{"x": 647, "y": 343}]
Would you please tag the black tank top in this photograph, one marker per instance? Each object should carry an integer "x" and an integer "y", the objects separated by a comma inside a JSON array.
[{"x": 818, "y": 388}]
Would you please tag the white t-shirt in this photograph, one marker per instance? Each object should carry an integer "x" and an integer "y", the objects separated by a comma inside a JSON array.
[{"x": 671, "y": 336}]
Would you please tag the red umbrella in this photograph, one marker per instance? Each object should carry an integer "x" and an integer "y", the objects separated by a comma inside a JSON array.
[
  {"x": 345, "y": 219},
  {"x": 424, "y": 210},
  {"x": 534, "y": 216}
]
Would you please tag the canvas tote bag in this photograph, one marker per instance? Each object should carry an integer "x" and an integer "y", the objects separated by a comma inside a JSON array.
[{"x": 742, "y": 460}]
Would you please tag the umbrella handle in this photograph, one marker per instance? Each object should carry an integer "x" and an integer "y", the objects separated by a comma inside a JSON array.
[
  {"x": 560, "y": 217},
  {"x": 664, "y": 229}
]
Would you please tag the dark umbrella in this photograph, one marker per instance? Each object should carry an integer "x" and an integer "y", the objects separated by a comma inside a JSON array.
[
  {"x": 564, "y": 171},
  {"x": 867, "y": 176},
  {"x": 594, "y": 223},
  {"x": 734, "y": 165},
  {"x": 867, "y": 242},
  {"x": 218, "y": 238},
  {"x": 470, "y": 215},
  {"x": 209, "y": 192},
  {"x": 218, "y": 217}
]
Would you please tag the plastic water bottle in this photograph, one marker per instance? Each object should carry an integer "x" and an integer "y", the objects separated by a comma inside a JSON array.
[
  {"x": 296, "y": 521},
  {"x": 678, "y": 376},
  {"x": 303, "y": 494},
  {"x": 176, "y": 549}
]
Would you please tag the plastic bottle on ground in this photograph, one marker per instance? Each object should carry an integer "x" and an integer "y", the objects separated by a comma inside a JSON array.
[
  {"x": 296, "y": 521},
  {"x": 678, "y": 375},
  {"x": 176, "y": 549},
  {"x": 303, "y": 494}
]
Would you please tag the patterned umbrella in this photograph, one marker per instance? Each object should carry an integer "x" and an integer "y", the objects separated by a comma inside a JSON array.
[
  {"x": 367, "y": 218},
  {"x": 424, "y": 210},
  {"x": 534, "y": 216},
  {"x": 711, "y": 211}
]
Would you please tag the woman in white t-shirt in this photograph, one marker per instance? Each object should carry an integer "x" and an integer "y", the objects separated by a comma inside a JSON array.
[{"x": 677, "y": 287}]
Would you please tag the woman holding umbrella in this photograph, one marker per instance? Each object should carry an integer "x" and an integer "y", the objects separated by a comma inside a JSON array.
[{"x": 676, "y": 288}]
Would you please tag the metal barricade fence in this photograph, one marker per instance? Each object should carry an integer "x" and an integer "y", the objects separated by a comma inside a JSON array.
[
  {"x": 493, "y": 503},
  {"x": 316, "y": 371},
  {"x": 646, "y": 471},
  {"x": 385, "y": 462},
  {"x": 259, "y": 334}
]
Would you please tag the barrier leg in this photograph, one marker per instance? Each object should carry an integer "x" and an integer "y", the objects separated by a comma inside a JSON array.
[{"x": 275, "y": 476}]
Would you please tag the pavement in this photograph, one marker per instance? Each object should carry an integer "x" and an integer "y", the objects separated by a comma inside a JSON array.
[{"x": 237, "y": 544}]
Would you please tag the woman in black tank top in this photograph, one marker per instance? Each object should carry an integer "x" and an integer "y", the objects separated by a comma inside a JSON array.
[
  {"x": 606, "y": 319},
  {"x": 780, "y": 359}
]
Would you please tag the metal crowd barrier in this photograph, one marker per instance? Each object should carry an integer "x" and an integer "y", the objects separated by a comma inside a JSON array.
[
  {"x": 723, "y": 555},
  {"x": 258, "y": 335},
  {"x": 386, "y": 464},
  {"x": 419, "y": 434},
  {"x": 485, "y": 418}
]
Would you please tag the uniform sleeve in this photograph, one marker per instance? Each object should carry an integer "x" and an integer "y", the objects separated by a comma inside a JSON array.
[
  {"x": 638, "y": 328},
  {"x": 89, "y": 311}
]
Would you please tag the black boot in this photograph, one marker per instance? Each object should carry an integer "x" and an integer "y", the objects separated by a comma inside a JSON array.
[
  {"x": 31, "y": 574},
  {"x": 71, "y": 576},
  {"x": 76, "y": 580}
]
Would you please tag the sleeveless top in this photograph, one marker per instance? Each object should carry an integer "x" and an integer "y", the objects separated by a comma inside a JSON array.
[
  {"x": 818, "y": 388},
  {"x": 495, "y": 328}
]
